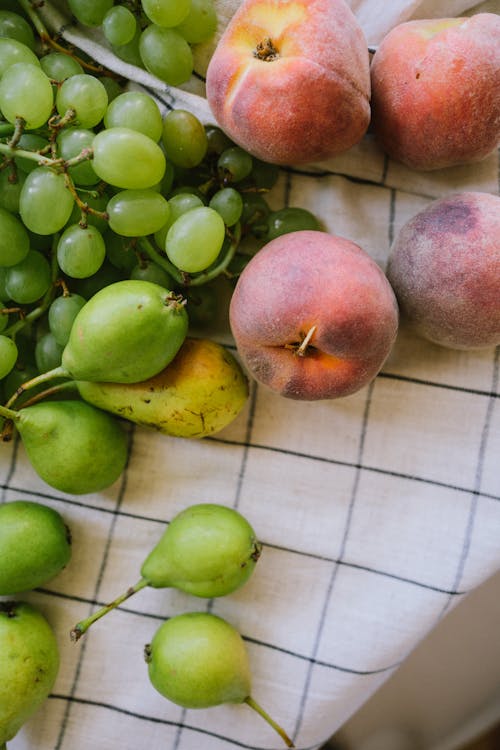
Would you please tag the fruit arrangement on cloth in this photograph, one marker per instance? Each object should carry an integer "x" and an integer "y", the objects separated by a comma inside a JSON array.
[{"x": 128, "y": 230}]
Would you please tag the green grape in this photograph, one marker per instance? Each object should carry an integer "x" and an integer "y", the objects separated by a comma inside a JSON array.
[
  {"x": 58, "y": 66},
  {"x": 201, "y": 22},
  {"x": 84, "y": 94},
  {"x": 19, "y": 375},
  {"x": 61, "y": 315},
  {"x": 71, "y": 142},
  {"x": 166, "y": 55},
  {"x": 3, "y": 291},
  {"x": 184, "y": 138},
  {"x": 149, "y": 271},
  {"x": 217, "y": 140},
  {"x": 229, "y": 204},
  {"x": 12, "y": 51},
  {"x": 10, "y": 189},
  {"x": 14, "y": 239},
  {"x": 137, "y": 111},
  {"x": 48, "y": 353},
  {"x": 128, "y": 159},
  {"x": 28, "y": 281},
  {"x": 166, "y": 12},
  {"x": 80, "y": 251},
  {"x": 121, "y": 252},
  {"x": 4, "y": 317},
  {"x": 119, "y": 25},
  {"x": 290, "y": 219},
  {"x": 8, "y": 355},
  {"x": 113, "y": 88},
  {"x": 178, "y": 205},
  {"x": 45, "y": 203},
  {"x": 202, "y": 305},
  {"x": 167, "y": 179},
  {"x": 25, "y": 91},
  {"x": 137, "y": 213},
  {"x": 29, "y": 142},
  {"x": 255, "y": 214},
  {"x": 130, "y": 52},
  {"x": 106, "y": 275},
  {"x": 90, "y": 12},
  {"x": 14, "y": 26},
  {"x": 263, "y": 175},
  {"x": 195, "y": 239},
  {"x": 234, "y": 164}
]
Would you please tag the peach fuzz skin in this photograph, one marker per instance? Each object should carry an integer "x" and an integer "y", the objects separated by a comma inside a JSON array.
[
  {"x": 444, "y": 267},
  {"x": 436, "y": 91},
  {"x": 308, "y": 102},
  {"x": 313, "y": 316}
]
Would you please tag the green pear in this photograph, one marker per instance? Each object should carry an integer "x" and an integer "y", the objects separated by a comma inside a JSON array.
[
  {"x": 199, "y": 393},
  {"x": 72, "y": 446},
  {"x": 207, "y": 550},
  {"x": 35, "y": 545},
  {"x": 198, "y": 660},
  {"x": 29, "y": 663}
]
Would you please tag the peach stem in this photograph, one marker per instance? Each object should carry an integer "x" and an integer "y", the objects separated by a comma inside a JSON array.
[{"x": 301, "y": 351}]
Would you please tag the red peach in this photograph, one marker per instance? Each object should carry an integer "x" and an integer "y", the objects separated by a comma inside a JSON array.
[
  {"x": 289, "y": 81},
  {"x": 436, "y": 91},
  {"x": 445, "y": 270},
  {"x": 313, "y": 316}
]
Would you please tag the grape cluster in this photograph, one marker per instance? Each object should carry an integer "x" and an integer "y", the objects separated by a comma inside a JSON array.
[
  {"x": 96, "y": 186},
  {"x": 153, "y": 34}
]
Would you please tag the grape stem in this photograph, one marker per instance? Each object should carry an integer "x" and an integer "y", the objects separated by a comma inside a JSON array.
[
  {"x": 82, "y": 627},
  {"x": 44, "y": 377},
  {"x": 256, "y": 707}
]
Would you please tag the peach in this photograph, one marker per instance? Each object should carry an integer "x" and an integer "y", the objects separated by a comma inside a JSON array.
[
  {"x": 436, "y": 91},
  {"x": 313, "y": 316},
  {"x": 289, "y": 81},
  {"x": 444, "y": 267}
]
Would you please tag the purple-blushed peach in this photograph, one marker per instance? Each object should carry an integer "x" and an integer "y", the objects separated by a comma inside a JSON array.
[
  {"x": 289, "y": 81},
  {"x": 444, "y": 267},
  {"x": 313, "y": 316},
  {"x": 436, "y": 91}
]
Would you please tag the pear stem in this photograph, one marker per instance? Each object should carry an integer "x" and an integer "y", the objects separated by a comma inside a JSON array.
[
  {"x": 8, "y": 414},
  {"x": 82, "y": 627},
  {"x": 44, "y": 377},
  {"x": 253, "y": 704}
]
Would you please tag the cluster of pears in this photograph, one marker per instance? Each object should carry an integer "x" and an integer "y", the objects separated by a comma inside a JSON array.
[
  {"x": 197, "y": 659},
  {"x": 35, "y": 545},
  {"x": 121, "y": 359}
]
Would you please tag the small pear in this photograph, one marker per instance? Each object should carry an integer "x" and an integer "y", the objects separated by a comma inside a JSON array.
[
  {"x": 207, "y": 550},
  {"x": 35, "y": 545},
  {"x": 198, "y": 660},
  {"x": 29, "y": 663},
  {"x": 199, "y": 393},
  {"x": 72, "y": 446}
]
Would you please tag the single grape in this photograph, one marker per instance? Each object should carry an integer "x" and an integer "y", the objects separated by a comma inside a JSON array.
[
  {"x": 184, "y": 138},
  {"x": 48, "y": 353},
  {"x": 10, "y": 189},
  {"x": 3, "y": 290},
  {"x": 234, "y": 164},
  {"x": 4, "y": 317},
  {"x": 121, "y": 252},
  {"x": 229, "y": 204},
  {"x": 8, "y": 355},
  {"x": 13, "y": 51},
  {"x": 202, "y": 305},
  {"x": 25, "y": 91},
  {"x": 130, "y": 53},
  {"x": 113, "y": 88},
  {"x": 45, "y": 203},
  {"x": 58, "y": 66},
  {"x": 137, "y": 111},
  {"x": 80, "y": 251},
  {"x": 127, "y": 159},
  {"x": 28, "y": 281},
  {"x": 70, "y": 143},
  {"x": 150, "y": 271},
  {"x": 14, "y": 26},
  {"x": 200, "y": 23},
  {"x": 137, "y": 213},
  {"x": 119, "y": 25},
  {"x": 166, "y": 54},
  {"x": 166, "y": 12},
  {"x": 84, "y": 94},
  {"x": 106, "y": 275},
  {"x": 255, "y": 214},
  {"x": 90, "y": 12},
  {"x": 290, "y": 219},
  {"x": 14, "y": 239},
  {"x": 217, "y": 140},
  {"x": 61, "y": 315},
  {"x": 263, "y": 175},
  {"x": 195, "y": 239}
]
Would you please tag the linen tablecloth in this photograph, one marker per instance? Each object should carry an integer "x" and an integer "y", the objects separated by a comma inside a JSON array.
[{"x": 378, "y": 512}]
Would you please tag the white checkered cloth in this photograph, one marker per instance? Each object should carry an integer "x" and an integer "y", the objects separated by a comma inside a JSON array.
[{"x": 378, "y": 512}]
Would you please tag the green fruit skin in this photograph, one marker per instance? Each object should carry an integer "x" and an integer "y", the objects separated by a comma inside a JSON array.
[
  {"x": 73, "y": 446},
  {"x": 199, "y": 393},
  {"x": 198, "y": 660},
  {"x": 207, "y": 550},
  {"x": 35, "y": 545},
  {"x": 127, "y": 332},
  {"x": 29, "y": 663}
]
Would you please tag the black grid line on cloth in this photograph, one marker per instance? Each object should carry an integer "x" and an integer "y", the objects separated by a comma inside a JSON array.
[{"x": 81, "y": 655}]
